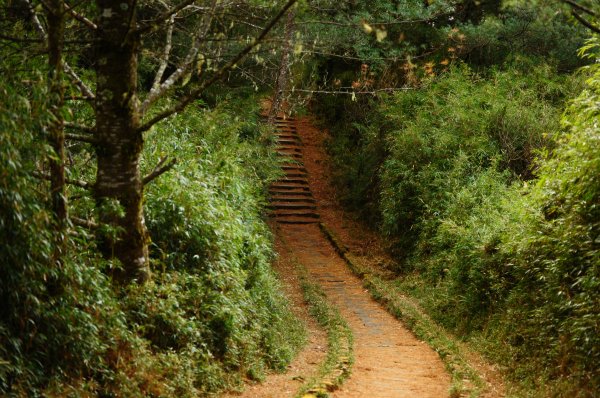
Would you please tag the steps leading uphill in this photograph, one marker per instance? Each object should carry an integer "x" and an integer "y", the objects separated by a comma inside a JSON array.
[{"x": 291, "y": 199}]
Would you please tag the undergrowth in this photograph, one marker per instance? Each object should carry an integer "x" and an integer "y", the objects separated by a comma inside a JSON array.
[
  {"x": 212, "y": 316},
  {"x": 489, "y": 203}
]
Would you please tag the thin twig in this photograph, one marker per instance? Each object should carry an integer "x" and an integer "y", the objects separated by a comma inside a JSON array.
[
  {"x": 154, "y": 25},
  {"x": 81, "y": 137},
  {"x": 70, "y": 181},
  {"x": 80, "y": 17},
  {"x": 343, "y": 92},
  {"x": 159, "y": 169},
  {"x": 79, "y": 127},
  {"x": 80, "y": 222},
  {"x": 186, "y": 100},
  {"x": 186, "y": 66}
]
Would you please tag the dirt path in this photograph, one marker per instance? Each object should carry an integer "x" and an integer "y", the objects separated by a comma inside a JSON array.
[
  {"x": 389, "y": 360},
  {"x": 364, "y": 242},
  {"x": 306, "y": 363}
]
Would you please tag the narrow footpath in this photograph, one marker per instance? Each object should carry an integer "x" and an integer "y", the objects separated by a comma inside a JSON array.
[{"x": 389, "y": 360}]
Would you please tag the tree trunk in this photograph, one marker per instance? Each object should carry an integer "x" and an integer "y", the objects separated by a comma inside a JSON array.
[
  {"x": 56, "y": 134},
  {"x": 119, "y": 188},
  {"x": 282, "y": 74}
]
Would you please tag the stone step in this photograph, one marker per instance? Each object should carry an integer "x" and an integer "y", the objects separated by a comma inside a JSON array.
[
  {"x": 295, "y": 213},
  {"x": 299, "y": 192},
  {"x": 290, "y": 154},
  {"x": 294, "y": 174},
  {"x": 287, "y": 197},
  {"x": 301, "y": 181},
  {"x": 292, "y": 206},
  {"x": 287, "y": 134},
  {"x": 294, "y": 167},
  {"x": 296, "y": 220},
  {"x": 287, "y": 186},
  {"x": 288, "y": 142},
  {"x": 289, "y": 148}
]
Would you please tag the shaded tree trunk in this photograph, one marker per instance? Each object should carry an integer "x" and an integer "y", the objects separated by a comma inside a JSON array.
[
  {"x": 281, "y": 81},
  {"x": 56, "y": 134},
  {"x": 118, "y": 187}
]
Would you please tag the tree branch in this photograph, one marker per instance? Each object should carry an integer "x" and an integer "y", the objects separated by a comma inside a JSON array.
[
  {"x": 80, "y": 222},
  {"x": 585, "y": 22},
  {"x": 80, "y": 17},
  {"x": 187, "y": 65},
  {"x": 165, "y": 56},
  {"x": 85, "y": 90},
  {"x": 81, "y": 137},
  {"x": 154, "y": 25},
  {"x": 77, "y": 183},
  {"x": 159, "y": 169},
  {"x": 85, "y": 129},
  {"x": 344, "y": 92},
  {"x": 581, "y": 8},
  {"x": 186, "y": 100},
  {"x": 20, "y": 39}
]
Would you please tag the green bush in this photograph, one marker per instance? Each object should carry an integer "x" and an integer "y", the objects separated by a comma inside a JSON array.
[
  {"x": 213, "y": 314},
  {"x": 523, "y": 27},
  {"x": 499, "y": 247},
  {"x": 457, "y": 127},
  {"x": 212, "y": 249},
  {"x": 57, "y": 319},
  {"x": 558, "y": 254}
]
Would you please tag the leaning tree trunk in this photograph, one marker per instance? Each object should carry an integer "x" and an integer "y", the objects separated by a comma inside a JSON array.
[{"x": 119, "y": 188}]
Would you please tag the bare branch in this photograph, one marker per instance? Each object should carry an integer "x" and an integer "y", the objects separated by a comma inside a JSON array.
[
  {"x": 186, "y": 66},
  {"x": 159, "y": 169},
  {"x": 36, "y": 20},
  {"x": 585, "y": 22},
  {"x": 81, "y": 137},
  {"x": 80, "y": 222},
  {"x": 80, "y": 17},
  {"x": 165, "y": 56},
  {"x": 85, "y": 129},
  {"x": 85, "y": 90},
  {"x": 344, "y": 92},
  {"x": 154, "y": 25},
  {"x": 20, "y": 39},
  {"x": 70, "y": 181},
  {"x": 186, "y": 100}
]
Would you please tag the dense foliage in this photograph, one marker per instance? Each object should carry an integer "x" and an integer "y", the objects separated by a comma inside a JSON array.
[
  {"x": 447, "y": 135},
  {"x": 488, "y": 200},
  {"x": 213, "y": 313}
]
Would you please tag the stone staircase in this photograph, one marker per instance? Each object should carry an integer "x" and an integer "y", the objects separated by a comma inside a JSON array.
[{"x": 291, "y": 199}]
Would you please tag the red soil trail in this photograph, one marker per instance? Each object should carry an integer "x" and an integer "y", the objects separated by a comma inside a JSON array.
[{"x": 389, "y": 360}]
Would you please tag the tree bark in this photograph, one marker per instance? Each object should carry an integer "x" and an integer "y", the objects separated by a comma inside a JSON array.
[
  {"x": 281, "y": 80},
  {"x": 119, "y": 141},
  {"x": 56, "y": 133}
]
